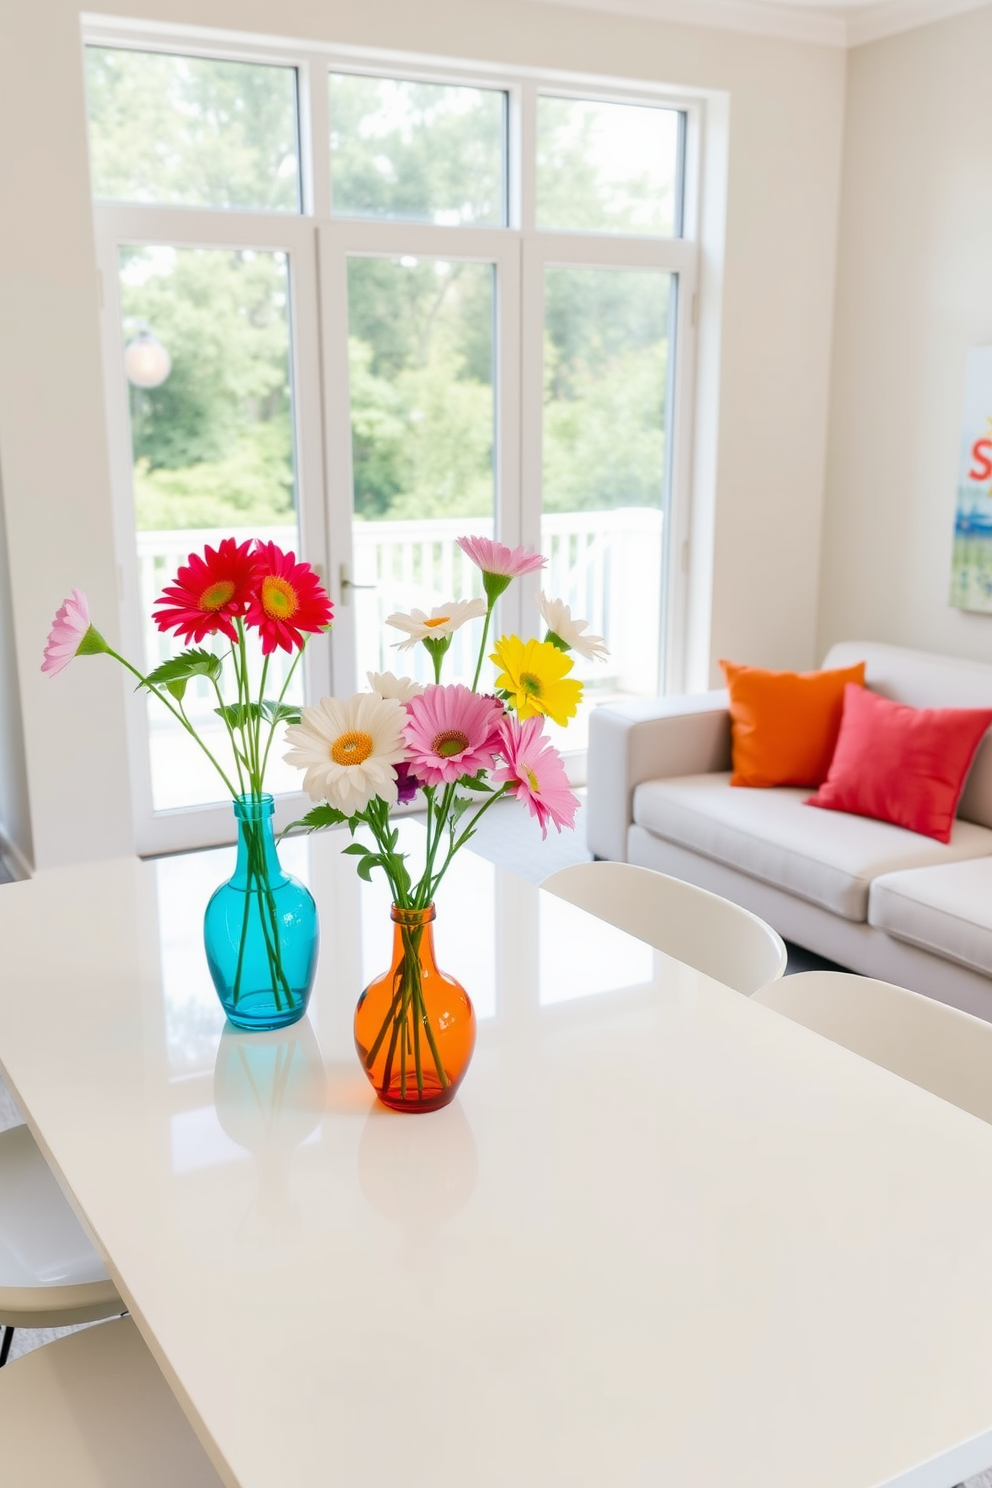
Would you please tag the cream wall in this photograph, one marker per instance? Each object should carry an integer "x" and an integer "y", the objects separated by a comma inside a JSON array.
[
  {"x": 766, "y": 368},
  {"x": 914, "y": 292}
]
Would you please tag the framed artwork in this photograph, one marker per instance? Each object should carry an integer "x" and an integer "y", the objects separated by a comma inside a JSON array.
[{"x": 971, "y": 565}]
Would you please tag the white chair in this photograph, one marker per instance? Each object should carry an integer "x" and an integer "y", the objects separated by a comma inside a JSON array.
[
  {"x": 50, "y": 1275},
  {"x": 709, "y": 933},
  {"x": 93, "y": 1411},
  {"x": 928, "y": 1043}
]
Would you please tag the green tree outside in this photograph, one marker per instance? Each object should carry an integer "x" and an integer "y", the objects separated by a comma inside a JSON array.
[{"x": 213, "y": 445}]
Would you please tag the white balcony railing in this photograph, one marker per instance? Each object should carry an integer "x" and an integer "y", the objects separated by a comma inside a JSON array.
[{"x": 605, "y": 565}]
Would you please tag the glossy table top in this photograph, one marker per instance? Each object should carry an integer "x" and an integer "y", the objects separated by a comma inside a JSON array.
[{"x": 663, "y": 1236}]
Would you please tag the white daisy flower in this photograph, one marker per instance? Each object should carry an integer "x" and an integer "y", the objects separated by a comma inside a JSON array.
[
  {"x": 348, "y": 747},
  {"x": 558, "y": 618},
  {"x": 443, "y": 620},
  {"x": 389, "y": 686}
]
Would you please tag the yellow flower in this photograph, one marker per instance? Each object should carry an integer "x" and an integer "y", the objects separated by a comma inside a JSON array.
[{"x": 535, "y": 674}]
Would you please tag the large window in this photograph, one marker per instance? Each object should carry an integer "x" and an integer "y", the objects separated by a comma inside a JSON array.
[{"x": 364, "y": 311}]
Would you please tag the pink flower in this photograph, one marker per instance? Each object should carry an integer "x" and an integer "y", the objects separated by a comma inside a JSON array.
[
  {"x": 536, "y": 770},
  {"x": 499, "y": 563},
  {"x": 450, "y": 731},
  {"x": 71, "y": 634}
]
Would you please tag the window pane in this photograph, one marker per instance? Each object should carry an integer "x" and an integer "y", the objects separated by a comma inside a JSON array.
[
  {"x": 212, "y": 446},
  {"x": 604, "y": 469},
  {"x": 191, "y": 132},
  {"x": 606, "y": 167},
  {"x": 421, "y": 359},
  {"x": 417, "y": 152}
]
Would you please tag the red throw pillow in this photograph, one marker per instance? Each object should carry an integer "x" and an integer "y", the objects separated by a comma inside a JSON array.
[{"x": 902, "y": 765}]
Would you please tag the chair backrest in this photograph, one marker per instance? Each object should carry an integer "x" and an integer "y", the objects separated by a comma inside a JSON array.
[
  {"x": 94, "y": 1410},
  {"x": 937, "y": 1047},
  {"x": 697, "y": 927}
]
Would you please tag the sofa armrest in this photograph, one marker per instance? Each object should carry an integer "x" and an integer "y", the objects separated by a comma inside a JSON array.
[{"x": 649, "y": 740}]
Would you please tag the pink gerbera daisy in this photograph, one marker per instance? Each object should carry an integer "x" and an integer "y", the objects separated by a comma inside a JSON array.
[
  {"x": 450, "y": 732},
  {"x": 499, "y": 563},
  {"x": 288, "y": 599},
  {"x": 535, "y": 769},
  {"x": 208, "y": 593},
  {"x": 71, "y": 635}
]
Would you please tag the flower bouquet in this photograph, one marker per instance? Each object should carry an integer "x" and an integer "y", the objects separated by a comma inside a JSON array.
[
  {"x": 260, "y": 929},
  {"x": 464, "y": 750}
]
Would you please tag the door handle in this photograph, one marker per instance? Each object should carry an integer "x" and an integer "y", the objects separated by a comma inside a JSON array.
[{"x": 347, "y": 585}]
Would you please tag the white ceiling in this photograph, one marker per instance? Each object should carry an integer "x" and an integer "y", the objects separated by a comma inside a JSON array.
[{"x": 840, "y": 23}]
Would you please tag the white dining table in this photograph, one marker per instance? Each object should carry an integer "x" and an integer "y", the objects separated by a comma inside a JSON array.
[{"x": 662, "y": 1236}]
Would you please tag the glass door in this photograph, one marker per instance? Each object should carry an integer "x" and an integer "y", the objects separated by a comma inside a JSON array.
[
  {"x": 210, "y": 343},
  {"x": 423, "y": 420},
  {"x": 604, "y": 469},
  {"x": 363, "y": 315},
  {"x": 208, "y": 364},
  {"x": 608, "y": 282},
  {"x": 214, "y": 435},
  {"x": 421, "y": 377},
  {"x": 420, "y": 275}
]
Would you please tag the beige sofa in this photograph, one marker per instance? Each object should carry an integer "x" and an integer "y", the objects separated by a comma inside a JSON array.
[{"x": 874, "y": 897}]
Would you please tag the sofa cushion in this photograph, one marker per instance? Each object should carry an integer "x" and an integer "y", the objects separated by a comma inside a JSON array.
[
  {"x": 823, "y": 856},
  {"x": 947, "y": 910},
  {"x": 785, "y": 724},
  {"x": 900, "y": 764},
  {"x": 925, "y": 680}
]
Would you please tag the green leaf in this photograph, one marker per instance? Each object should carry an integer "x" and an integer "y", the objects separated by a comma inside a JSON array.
[
  {"x": 367, "y": 864},
  {"x": 358, "y": 850},
  {"x": 279, "y": 712},
  {"x": 236, "y": 715},
  {"x": 317, "y": 817},
  {"x": 472, "y": 782},
  {"x": 178, "y": 689},
  {"x": 193, "y": 663}
]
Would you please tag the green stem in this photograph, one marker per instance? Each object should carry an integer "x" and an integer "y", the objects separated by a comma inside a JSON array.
[
  {"x": 482, "y": 645},
  {"x": 236, "y": 992},
  {"x": 407, "y": 1005},
  {"x": 370, "y": 1056},
  {"x": 442, "y": 1073},
  {"x": 258, "y": 720},
  {"x": 463, "y": 837},
  {"x": 230, "y": 732},
  {"x": 285, "y": 689},
  {"x": 266, "y": 907},
  {"x": 422, "y": 899},
  {"x": 247, "y": 737},
  {"x": 416, "y": 1045},
  {"x": 176, "y": 713},
  {"x": 376, "y": 818}
]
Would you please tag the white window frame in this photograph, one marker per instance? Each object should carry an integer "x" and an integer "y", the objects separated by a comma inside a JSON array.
[{"x": 319, "y": 246}]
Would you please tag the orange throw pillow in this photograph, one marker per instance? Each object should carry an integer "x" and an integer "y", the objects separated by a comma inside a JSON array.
[{"x": 785, "y": 724}]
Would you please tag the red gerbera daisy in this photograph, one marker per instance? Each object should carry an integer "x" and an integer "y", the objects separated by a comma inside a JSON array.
[
  {"x": 209, "y": 592},
  {"x": 288, "y": 599}
]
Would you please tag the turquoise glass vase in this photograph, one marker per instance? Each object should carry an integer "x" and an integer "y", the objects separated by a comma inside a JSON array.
[{"x": 260, "y": 929}]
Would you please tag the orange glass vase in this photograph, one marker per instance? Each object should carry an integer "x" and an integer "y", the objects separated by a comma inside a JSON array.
[{"x": 414, "y": 1026}]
